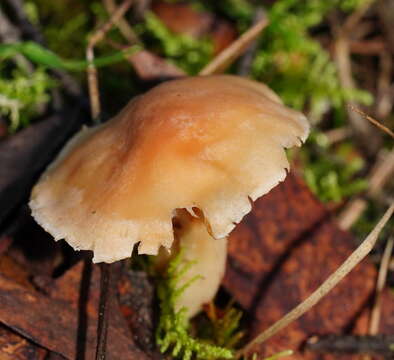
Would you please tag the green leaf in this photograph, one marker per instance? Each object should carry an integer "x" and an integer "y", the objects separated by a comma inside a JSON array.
[{"x": 48, "y": 59}]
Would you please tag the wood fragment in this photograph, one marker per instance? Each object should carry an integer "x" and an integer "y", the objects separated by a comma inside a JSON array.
[{"x": 368, "y": 47}]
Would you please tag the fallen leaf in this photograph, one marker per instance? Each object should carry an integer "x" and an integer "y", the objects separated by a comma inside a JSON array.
[
  {"x": 150, "y": 67},
  {"x": 279, "y": 254},
  {"x": 136, "y": 299},
  {"x": 57, "y": 323}
]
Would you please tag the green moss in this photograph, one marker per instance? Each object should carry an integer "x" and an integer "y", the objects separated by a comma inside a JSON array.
[
  {"x": 295, "y": 65},
  {"x": 22, "y": 94},
  {"x": 172, "y": 332},
  {"x": 332, "y": 173},
  {"x": 186, "y": 52}
]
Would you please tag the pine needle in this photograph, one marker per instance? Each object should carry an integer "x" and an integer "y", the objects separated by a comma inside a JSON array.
[{"x": 372, "y": 120}]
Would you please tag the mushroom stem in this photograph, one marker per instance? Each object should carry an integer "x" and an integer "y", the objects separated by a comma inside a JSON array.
[
  {"x": 102, "y": 326},
  {"x": 207, "y": 256}
]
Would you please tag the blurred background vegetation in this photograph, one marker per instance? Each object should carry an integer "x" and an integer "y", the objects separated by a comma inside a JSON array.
[{"x": 319, "y": 56}]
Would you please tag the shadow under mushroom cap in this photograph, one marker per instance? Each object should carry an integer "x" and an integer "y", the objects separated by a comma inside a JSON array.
[{"x": 214, "y": 143}]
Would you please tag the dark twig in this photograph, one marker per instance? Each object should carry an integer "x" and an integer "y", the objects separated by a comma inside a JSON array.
[
  {"x": 350, "y": 344},
  {"x": 363, "y": 131},
  {"x": 102, "y": 326}
]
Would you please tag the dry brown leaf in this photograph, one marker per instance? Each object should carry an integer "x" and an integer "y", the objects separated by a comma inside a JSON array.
[{"x": 280, "y": 253}]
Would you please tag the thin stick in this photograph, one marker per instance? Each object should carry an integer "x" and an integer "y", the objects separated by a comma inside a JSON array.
[
  {"x": 246, "y": 61},
  {"x": 229, "y": 54},
  {"x": 102, "y": 326},
  {"x": 381, "y": 282},
  {"x": 123, "y": 26},
  {"x": 372, "y": 120},
  {"x": 383, "y": 269},
  {"x": 377, "y": 179},
  {"x": 92, "y": 71},
  {"x": 326, "y": 287}
]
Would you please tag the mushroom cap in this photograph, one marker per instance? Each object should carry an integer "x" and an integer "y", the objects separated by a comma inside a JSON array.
[{"x": 213, "y": 143}]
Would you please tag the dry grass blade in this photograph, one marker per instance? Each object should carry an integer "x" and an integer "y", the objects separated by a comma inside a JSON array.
[
  {"x": 96, "y": 37},
  {"x": 229, "y": 54},
  {"x": 372, "y": 120},
  {"x": 124, "y": 27},
  {"x": 369, "y": 140},
  {"x": 326, "y": 287}
]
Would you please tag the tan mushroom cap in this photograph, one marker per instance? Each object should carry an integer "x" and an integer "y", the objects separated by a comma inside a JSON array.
[{"x": 213, "y": 143}]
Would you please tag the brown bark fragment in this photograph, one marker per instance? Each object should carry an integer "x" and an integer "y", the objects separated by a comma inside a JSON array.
[
  {"x": 261, "y": 242},
  {"x": 136, "y": 298},
  {"x": 53, "y": 323},
  {"x": 15, "y": 347},
  {"x": 283, "y": 251}
]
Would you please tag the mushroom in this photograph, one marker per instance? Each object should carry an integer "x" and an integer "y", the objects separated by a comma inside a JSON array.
[{"x": 208, "y": 145}]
